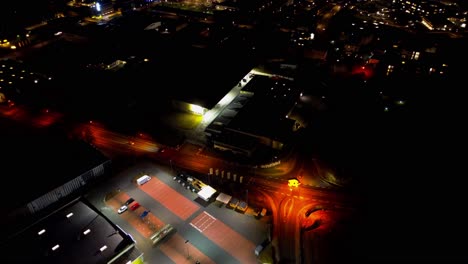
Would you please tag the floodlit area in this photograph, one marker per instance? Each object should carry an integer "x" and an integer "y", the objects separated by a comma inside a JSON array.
[
  {"x": 199, "y": 228},
  {"x": 210, "y": 115}
]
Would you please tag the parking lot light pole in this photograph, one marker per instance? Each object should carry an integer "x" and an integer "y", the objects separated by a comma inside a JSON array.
[
  {"x": 186, "y": 247},
  {"x": 247, "y": 196}
]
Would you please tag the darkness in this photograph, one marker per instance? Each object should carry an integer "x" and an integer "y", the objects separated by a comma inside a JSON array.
[
  {"x": 409, "y": 164},
  {"x": 415, "y": 182}
]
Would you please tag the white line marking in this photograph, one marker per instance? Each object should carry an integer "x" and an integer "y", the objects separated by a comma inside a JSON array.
[
  {"x": 196, "y": 228},
  {"x": 202, "y": 224},
  {"x": 210, "y": 215},
  {"x": 208, "y": 225}
]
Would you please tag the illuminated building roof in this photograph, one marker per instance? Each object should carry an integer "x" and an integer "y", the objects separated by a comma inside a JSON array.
[{"x": 76, "y": 233}]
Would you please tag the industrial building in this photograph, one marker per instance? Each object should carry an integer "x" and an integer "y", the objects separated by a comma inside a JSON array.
[
  {"x": 256, "y": 118},
  {"x": 46, "y": 168},
  {"x": 75, "y": 233}
]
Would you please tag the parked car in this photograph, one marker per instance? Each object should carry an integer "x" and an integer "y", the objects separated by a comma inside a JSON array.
[
  {"x": 134, "y": 206},
  {"x": 129, "y": 201},
  {"x": 122, "y": 209},
  {"x": 143, "y": 179}
]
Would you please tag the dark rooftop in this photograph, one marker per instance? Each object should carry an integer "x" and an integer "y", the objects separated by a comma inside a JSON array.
[
  {"x": 60, "y": 238},
  {"x": 265, "y": 114}
]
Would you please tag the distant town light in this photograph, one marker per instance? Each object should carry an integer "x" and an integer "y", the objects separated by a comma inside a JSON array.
[
  {"x": 312, "y": 35},
  {"x": 98, "y": 7},
  {"x": 463, "y": 25},
  {"x": 13, "y": 47}
]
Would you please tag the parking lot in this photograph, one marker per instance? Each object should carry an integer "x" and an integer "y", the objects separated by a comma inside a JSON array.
[{"x": 202, "y": 231}]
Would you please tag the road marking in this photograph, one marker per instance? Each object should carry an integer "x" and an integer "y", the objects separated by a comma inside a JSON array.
[
  {"x": 210, "y": 216},
  {"x": 204, "y": 221},
  {"x": 202, "y": 224},
  {"x": 208, "y": 225},
  {"x": 196, "y": 228}
]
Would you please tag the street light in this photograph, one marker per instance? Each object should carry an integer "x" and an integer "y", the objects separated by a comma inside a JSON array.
[
  {"x": 247, "y": 196},
  {"x": 186, "y": 247}
]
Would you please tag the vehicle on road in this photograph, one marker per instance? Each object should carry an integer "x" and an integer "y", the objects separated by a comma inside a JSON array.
[
  {"x": 122, "y": 209},
  {"x": 259, "y": 248}
]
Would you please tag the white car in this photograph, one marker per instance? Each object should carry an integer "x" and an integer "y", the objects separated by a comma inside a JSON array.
[{"x": 122, "y": 209}]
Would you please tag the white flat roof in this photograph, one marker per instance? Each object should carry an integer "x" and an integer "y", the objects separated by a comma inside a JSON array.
[
  {"x": 206, "y": 192},
  {"x": 224, "y": 198}
]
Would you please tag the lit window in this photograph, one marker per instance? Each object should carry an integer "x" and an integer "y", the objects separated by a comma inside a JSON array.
[{"x": 415, "y": 55}]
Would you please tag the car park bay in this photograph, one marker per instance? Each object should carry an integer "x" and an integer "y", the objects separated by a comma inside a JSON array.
[{"x": 168, "y": 202}]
